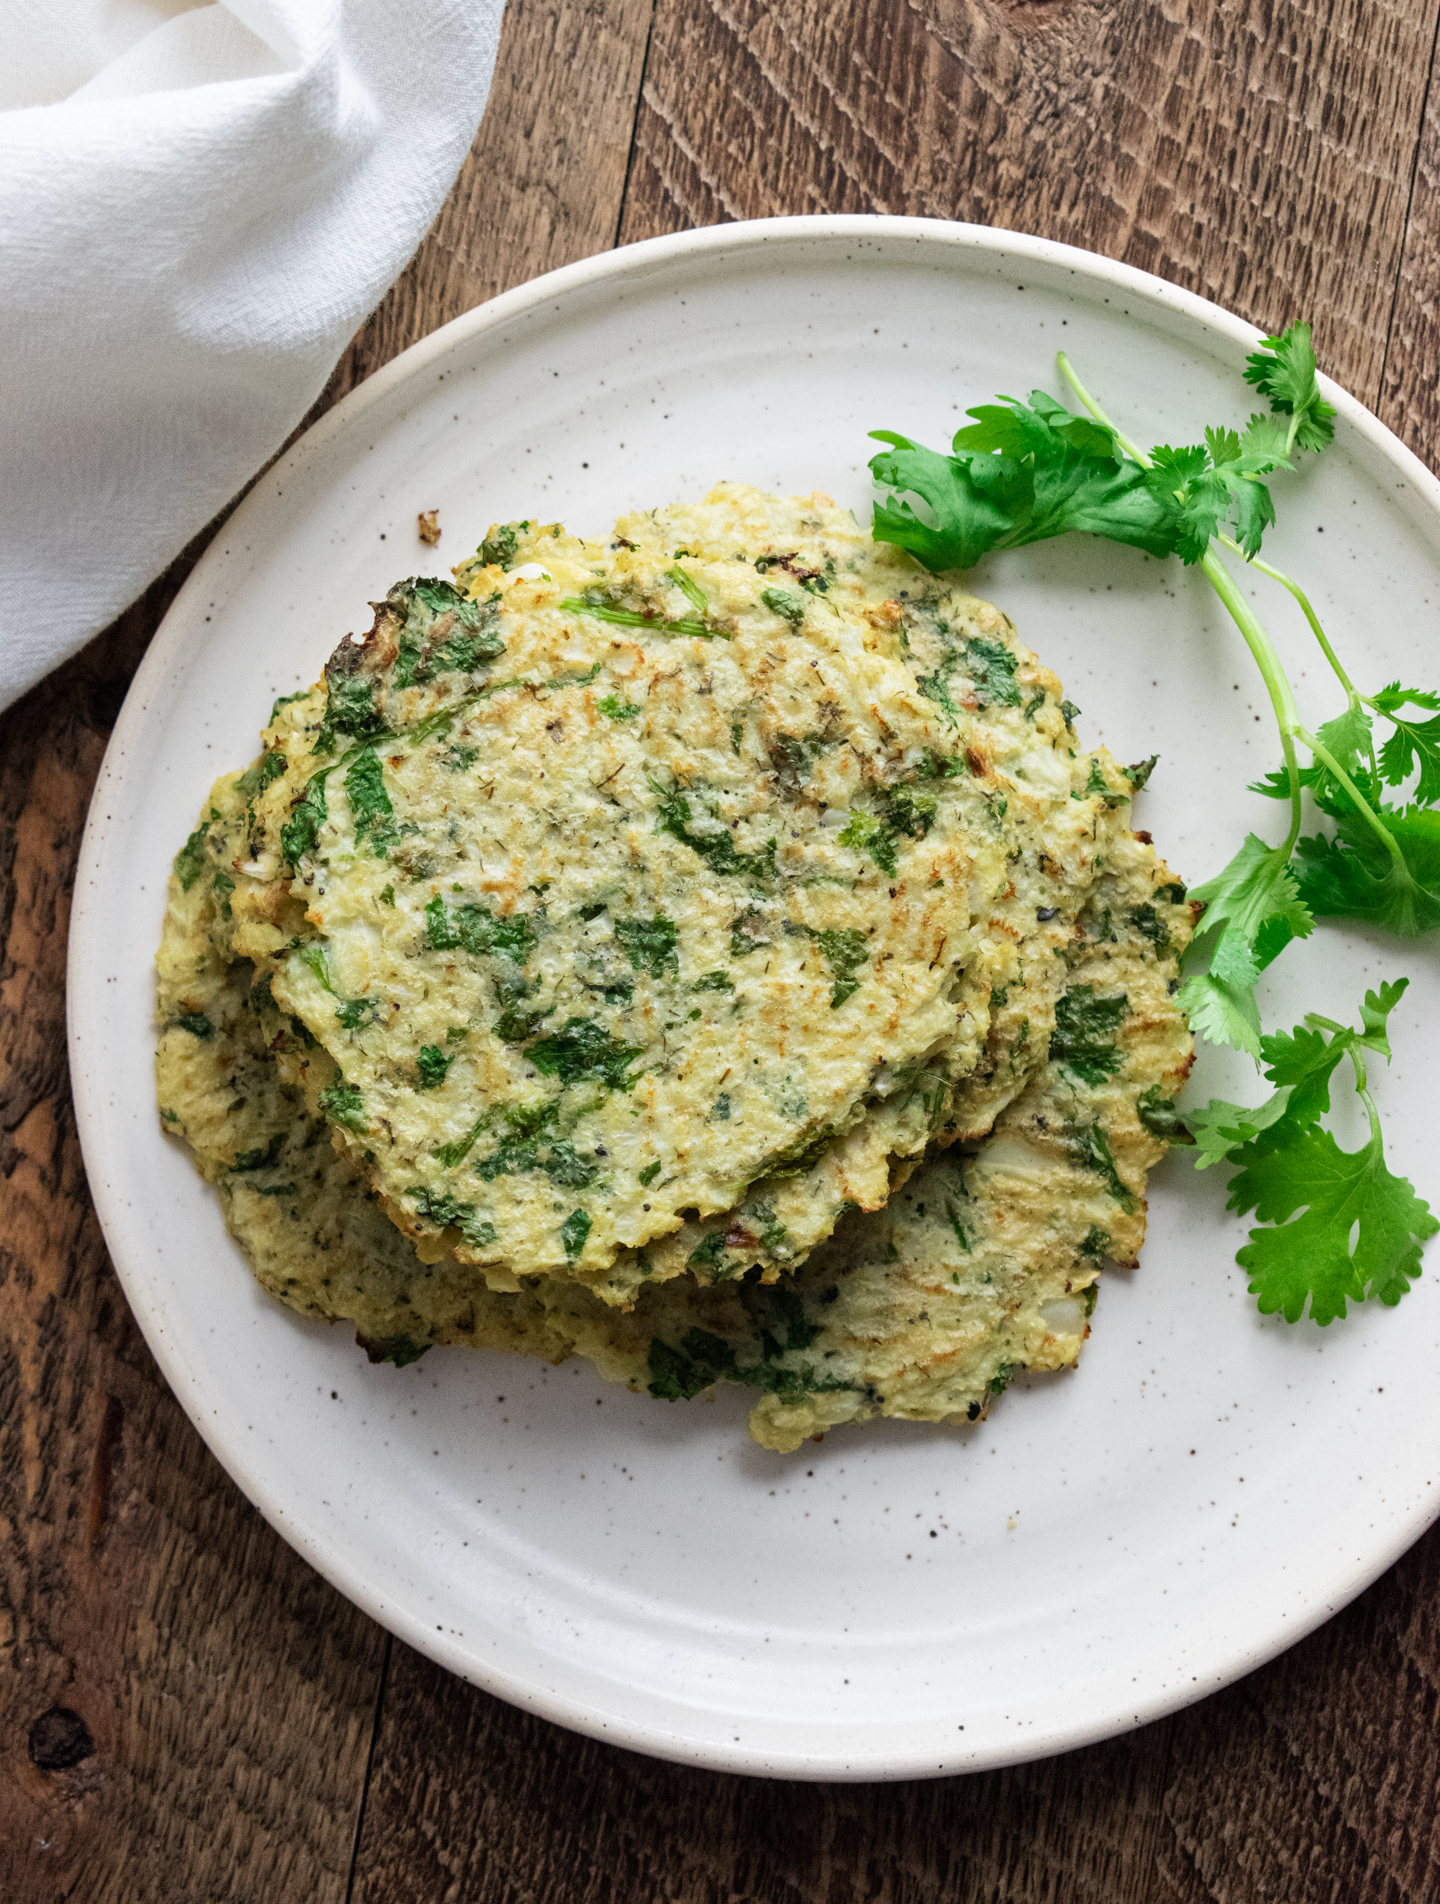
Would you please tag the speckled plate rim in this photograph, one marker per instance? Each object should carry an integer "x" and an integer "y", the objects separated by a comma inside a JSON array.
[{"x": 86, "y": 1005}]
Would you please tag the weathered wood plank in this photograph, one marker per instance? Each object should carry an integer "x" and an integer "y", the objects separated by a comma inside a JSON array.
[
  {"x": 1259, "y": 152},
  {"x": 544, "y": 180},
  {"x": 1410, "y": 382},
  {"x": 205, "y": 1701},
  {"x": 141, "y": 1595},
  {"x": 471, "y": 1799}
]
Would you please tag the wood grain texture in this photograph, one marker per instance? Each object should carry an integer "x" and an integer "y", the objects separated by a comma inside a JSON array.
[
  {"x": 1410, "y": 379},
  {"x": 187, "y": 1709},
  {"x": 140, "y": 1593},
  {"x": 543, "y": 183},
  {"x": 209, "y": 1709},
  {"x": 1256, "y": 151}
]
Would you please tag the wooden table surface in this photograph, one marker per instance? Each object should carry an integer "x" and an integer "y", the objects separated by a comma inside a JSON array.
[{"x": 188, "y": 1713}]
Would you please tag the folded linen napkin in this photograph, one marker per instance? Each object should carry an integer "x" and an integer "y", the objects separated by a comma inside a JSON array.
[{"x": 199, "y": 205}]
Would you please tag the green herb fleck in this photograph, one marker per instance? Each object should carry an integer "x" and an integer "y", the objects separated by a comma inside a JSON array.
[
  {"x": 342, "y": 1104},
  {"x": 844, "y": 951},
  {"x": 649, "y": 944},
  {"x": 573, "y": 1232},
  {"x": 432, "y": 1063},
  {"x": 1084, "y": 1033},
  {"x": 781, "y": 602},
  {"x": 716, "y": 849},
  {"x": 478, "y": 931},
  {"x": 582, "y": 1050},
  {"x": 190, "y": 860}
]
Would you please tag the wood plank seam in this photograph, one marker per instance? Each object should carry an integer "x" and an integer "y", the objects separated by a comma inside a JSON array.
[
  {"x": 1379, "y": 393},
  {"x": 634, "y": 130},
  {"x": 369, "y": 1767}
]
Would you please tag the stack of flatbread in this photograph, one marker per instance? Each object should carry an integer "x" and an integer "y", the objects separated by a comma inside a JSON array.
[{"x": 709, "y": 951}]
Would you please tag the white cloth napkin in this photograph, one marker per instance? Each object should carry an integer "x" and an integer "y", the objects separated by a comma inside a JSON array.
[{"x": 199, "y": 205}]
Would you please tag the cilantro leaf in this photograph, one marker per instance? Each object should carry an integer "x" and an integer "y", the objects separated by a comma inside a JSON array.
[
  {"x": 1352, "y": 877},
  {"x": 1225, "y": 1014},
  {"x": 1309, "y": 1257},
  {"x": 1215, "y": 486},
  {"x": 1414, "y": 743},
  {"x": 1375, "y": 1015},
  {"x": 1019, "y": 474},
  {"x": 1284, "y": 371},
  {"x": 1302, "y": 1061},
  {"x": 1218, "y": 1127},
  {"x": 1254, "y": 908}
]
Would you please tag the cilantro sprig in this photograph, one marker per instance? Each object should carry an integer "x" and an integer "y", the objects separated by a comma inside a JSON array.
[
  {"x": 1335, "y": 1226},
  {"x": 1022, "y": 472}
]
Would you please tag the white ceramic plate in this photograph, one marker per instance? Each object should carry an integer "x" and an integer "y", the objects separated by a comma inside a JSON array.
[{"x": 901, "y": 1600}]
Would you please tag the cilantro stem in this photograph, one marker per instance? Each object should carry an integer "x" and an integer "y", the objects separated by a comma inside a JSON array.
[
  {"x": 1067, "y": 371},
  {"x": 1282, "y": 698},
  {"x": 1328, "y": 761},
  {"x": 1293, "y": 587}
]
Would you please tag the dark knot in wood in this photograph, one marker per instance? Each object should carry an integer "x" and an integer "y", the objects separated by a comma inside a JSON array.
[{"x": 59, "y": 1739}]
